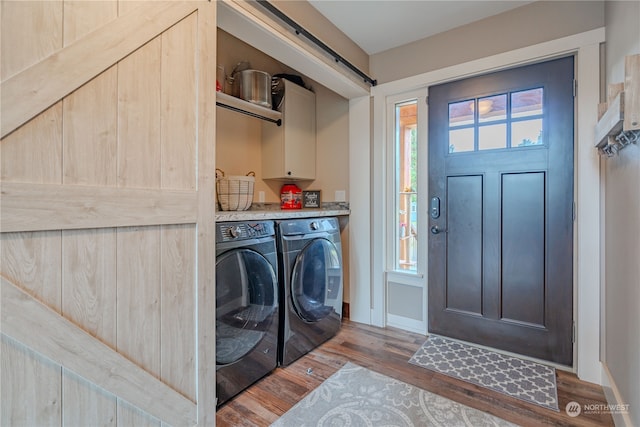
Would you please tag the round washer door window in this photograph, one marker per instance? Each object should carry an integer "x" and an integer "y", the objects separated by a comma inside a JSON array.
[
  {"x": 316, "y": 281},
  {"x": 246, "y": 302}
]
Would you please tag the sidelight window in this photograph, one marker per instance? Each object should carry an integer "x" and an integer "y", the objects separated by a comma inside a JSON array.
[
  {"x": 500, "y": 121},
  {"x": 406, "y": 155}
]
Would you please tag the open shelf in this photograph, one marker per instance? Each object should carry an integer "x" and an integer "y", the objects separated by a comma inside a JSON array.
[
  {"x": 244, "y": 107},
  {"x": 610, "y": 124}
]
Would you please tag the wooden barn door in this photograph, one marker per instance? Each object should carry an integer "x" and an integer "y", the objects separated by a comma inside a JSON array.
[{"x": 107, "y": 214}]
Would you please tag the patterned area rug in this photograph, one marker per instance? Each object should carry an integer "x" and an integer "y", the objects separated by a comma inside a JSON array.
[
  {"x": 522, "y": 379},
  {"x": 355, "y": 396}
]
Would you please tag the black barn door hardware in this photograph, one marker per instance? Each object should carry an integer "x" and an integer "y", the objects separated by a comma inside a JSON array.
[{"x": 301, "y": 31}]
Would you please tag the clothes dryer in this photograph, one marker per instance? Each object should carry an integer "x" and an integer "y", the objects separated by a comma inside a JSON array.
[
  {"x": 310, "y": 266},
  {"x": 246, "y": 305}
]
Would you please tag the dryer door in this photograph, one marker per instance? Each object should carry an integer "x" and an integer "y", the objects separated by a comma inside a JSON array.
[
  {"x": 316, "y": 281},
  {"x": 246, "y": 303}
]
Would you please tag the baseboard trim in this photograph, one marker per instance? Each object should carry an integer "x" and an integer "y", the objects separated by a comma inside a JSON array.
[
  {"x": 345, "y": 310},
  {"x": 612, "y": 394}
]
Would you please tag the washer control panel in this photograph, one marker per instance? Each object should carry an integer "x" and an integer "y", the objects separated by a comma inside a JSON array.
[{"x": 232, "y": 231}]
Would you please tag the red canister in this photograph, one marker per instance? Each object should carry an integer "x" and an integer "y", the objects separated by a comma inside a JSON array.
[{"x": 290, "y": 197}]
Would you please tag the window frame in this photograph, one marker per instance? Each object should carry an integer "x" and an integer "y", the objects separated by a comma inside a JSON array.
[
  {"x": 391, "y": 223},
  {"x": 476, "y": 124}
]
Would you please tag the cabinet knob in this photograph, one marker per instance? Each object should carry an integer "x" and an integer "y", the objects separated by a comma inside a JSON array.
[{"x": 289, "y": 173}]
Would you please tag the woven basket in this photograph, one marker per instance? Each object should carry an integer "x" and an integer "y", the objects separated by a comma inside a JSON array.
[{"x": 235, "y": 193}]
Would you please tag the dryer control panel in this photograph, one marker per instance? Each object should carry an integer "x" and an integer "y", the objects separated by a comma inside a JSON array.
[{"x": 308, "y": 225}]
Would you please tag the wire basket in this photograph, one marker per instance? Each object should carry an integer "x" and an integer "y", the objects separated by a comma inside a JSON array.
[{"x": 235, "y": 193}]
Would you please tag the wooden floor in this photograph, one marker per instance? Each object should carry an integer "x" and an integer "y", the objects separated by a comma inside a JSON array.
[{"x": 387, "y": 351}]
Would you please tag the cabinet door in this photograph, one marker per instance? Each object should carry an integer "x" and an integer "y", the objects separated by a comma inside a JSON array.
[{"x": 289, "y": 151}]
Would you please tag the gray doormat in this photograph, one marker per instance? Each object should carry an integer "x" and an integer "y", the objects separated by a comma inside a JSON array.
[
  {"x": 529, "y": 381},
  {"x": 355, "y": 396}
]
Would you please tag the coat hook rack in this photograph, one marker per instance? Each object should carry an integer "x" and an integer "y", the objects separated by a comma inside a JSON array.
[
  {"x": 620, "y": 141},
  {"x": 619, "y": 118}
]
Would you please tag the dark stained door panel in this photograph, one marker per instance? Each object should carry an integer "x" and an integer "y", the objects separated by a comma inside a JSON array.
[{"x": 501, "y": 251}]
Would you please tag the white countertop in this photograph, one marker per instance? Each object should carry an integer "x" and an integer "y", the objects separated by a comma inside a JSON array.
[{"x": 250, "y": 215}]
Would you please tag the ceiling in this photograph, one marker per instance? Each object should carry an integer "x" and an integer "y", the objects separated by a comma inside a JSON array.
[{"x": 378, "y": 25}]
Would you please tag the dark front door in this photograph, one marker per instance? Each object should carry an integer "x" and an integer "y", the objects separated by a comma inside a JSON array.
[{"x": 501, "y": 210}]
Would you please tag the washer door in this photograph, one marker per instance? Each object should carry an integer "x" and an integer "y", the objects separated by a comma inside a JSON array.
[
  {"x": 316, "y": 281},
  {"x": 246, "y": 303}
]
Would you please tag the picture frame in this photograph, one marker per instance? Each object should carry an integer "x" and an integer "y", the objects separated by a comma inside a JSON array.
[{"x": 311, "y": 199}]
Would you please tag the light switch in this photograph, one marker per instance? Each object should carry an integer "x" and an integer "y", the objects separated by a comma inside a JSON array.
[
  {"x": 341, "y": 196},
  {"x": 260, "y": 196}
]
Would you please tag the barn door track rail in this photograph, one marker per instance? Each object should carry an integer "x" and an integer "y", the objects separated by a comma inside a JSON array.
[{"x": 300, "y": 30}]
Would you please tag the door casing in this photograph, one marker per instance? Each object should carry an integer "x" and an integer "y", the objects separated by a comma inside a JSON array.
[{"x": 370, "y": 306}]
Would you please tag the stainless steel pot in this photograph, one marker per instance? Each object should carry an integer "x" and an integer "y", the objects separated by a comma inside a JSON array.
[{"x": 253, "y": 86}]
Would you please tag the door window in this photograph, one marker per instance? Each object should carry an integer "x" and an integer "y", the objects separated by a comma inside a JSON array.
[
  {"x": 507, "y": 120},
  {"x": 246, "y": 302}
]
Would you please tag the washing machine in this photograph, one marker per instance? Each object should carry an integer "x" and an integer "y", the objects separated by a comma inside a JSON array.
[
  {"x": 247, "y": 315},
  {"x": 310, "y": 255}
]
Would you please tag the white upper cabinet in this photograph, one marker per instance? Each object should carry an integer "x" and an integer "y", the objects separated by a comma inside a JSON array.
[{"x": 289, "y": 151}]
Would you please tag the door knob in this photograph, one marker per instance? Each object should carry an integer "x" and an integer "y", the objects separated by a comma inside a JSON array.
[{"x": 435, "y": 230}]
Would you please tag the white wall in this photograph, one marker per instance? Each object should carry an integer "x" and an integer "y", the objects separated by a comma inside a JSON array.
[
  {"x": 621, "y": 284},
  {"x": 531, "y": 24},
  {"x": 360, "y": 231}
]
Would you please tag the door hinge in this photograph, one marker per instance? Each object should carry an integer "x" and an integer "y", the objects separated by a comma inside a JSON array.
[
  {"x": 573, "y": 332},
  {"x": 573, "y": 211},
  {"x": 575, "y": 87},
  {"x": 426, "y": 100}
]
